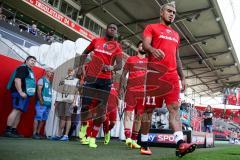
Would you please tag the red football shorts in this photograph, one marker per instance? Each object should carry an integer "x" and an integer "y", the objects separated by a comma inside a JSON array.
[{"x": 170, "y": 97}]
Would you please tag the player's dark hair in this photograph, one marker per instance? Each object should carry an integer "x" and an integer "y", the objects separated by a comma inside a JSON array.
[
  {"x": 111, "y": 24},
  {"x": 139, "y": 43}
]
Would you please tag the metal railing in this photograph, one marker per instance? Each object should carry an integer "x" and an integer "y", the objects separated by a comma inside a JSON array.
[
  {"x": 17, "y": 39},
  {"x": 11, "y": 49},
  {"x": 17, "y": 22}
]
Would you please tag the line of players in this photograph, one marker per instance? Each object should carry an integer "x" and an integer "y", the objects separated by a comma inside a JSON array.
[{"x": 151, "y": 80}]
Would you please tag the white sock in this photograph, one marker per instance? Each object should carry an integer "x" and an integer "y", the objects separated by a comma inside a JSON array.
[
  {"x": 144, "y": 137},
  {"x": 178, "y": 136}
]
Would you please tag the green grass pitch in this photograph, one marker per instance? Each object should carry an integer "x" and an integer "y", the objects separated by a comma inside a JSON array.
[{"x": 29, "y": 149}]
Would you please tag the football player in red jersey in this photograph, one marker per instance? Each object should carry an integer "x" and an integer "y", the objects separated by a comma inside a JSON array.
[
  {"x": 161, "y": 43},
  {"x": 110, "y": 118},
  {"x": 135, "y": 67},
  {"x": 106, "y": 51}
]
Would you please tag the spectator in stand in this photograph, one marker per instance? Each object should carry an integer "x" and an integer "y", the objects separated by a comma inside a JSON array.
[
  {"x": 22, "y": 27},
  {"x": 233, "y": 136},
  {"x": 11, "y": 20},
  {"x": 49, "y": 37},
  {"x": 33, "y": 29},
  {"x": 2, "y": 16},
  {"x": 208, "y": 116}
]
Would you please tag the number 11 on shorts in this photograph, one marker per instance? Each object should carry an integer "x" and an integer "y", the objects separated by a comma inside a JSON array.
[{"x": 149, "y": 100}]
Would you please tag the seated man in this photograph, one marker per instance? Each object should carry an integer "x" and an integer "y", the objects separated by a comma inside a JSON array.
[
  {"x": 33, "y": 29},
  {"x": 2, "y": 16}
]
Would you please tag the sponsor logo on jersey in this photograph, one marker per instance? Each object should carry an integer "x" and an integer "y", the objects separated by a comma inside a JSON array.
[{"x": 168, "y": 38}]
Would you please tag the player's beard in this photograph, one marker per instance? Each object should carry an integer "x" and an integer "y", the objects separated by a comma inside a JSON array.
[
  {"x": 167, "y": 22},
  {"x": 110, "y": 36},
  {"x": 142, "y": 52}
]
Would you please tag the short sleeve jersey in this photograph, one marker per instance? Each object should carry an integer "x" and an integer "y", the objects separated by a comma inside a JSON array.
[
  {"x": 137, "y": 68},
  {"x": 166, "y": 39},
  {"x": 104, "y": 53}
]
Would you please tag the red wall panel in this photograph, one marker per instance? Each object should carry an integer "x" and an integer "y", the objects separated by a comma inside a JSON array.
[{"x": 26, "y": 124}]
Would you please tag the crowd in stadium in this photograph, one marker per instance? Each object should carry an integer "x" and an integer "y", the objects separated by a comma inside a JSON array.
[{"x": 30, "y": 28}]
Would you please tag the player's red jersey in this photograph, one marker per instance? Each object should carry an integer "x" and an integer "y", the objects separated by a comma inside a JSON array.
[
  {"x": 166, "y": 39},
  {"x": 137, "y": 68},
  {"x": 104, "y": 53}
]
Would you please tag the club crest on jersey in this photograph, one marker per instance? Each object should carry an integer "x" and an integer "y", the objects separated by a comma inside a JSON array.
[
  {"x": 109, "y": 46},
  {"x": 168, "y": 31}
]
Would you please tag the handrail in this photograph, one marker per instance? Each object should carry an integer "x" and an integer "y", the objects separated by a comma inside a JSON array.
[
  {"x": 19, "y": 38},
  {"x": 10, "y": 48},
  {"x": 19, "y": 22},
  {"x": 14, "y": 44}
]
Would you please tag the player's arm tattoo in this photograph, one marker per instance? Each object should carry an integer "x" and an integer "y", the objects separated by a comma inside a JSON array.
[{"x": 118, "y": 65}]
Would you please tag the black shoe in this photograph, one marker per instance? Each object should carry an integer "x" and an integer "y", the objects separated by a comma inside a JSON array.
[
  {"x": 8, "y": 134},
  {"x": 43, "y": 137},
  {"x": 11, "y": 135},
  {"x": 16, "y": 134},
  {"x": 35, "y": 136}
]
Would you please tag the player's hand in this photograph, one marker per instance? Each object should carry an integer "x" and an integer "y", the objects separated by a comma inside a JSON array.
[
  {"x": 157, "y": 53},
  {"x": 183, "y": 83},
  {"x": 106, "y": 68},
  {"x": 23, "y": 95},
  {"x": 79, "y": 72}
]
